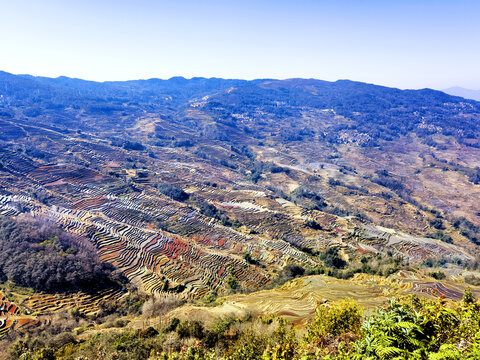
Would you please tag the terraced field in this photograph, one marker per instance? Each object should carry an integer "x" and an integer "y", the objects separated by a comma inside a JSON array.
[
  {"x": 86, "y": 303},
  {"x": 124, "y": 232},
  {"x": 170, "y": 247},
  {"x": 11, "y": 319},
  {"x": 297, "y": 299},
  {"x": 38, "y": 308}
]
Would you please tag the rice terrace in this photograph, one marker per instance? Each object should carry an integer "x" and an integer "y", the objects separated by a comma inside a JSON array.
[{"x": 247, "y": 210}]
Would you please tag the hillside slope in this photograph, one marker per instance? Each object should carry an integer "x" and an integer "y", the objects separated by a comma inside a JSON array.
[{"x": 201, "y": 186}]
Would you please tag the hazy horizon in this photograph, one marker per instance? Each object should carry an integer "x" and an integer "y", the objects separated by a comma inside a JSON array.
[
  {"x": 412, "y": 44},
  {"x": 189, "y": 78}
]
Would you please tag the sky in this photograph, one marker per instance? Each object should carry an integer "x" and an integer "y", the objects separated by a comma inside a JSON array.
[{"x": 399, "y": 43}]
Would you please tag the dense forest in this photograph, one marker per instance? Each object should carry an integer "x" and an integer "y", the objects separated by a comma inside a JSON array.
[{"x": 35, "y": 253}]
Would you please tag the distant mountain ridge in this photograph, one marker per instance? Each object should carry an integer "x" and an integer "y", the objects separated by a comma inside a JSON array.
[
  {"x": 465, "y": 93},
  {"x": 243, "y": 107}
]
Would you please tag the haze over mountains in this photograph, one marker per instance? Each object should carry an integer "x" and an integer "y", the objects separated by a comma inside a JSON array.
[
  {"x": 198, "y": 187},
  {"x": 465, "y": 93}
]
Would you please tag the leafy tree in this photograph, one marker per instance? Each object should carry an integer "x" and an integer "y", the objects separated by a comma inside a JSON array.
[
  {"x": 437, "y": 275},
  {"x": 331, "y": 258},
  {"x": 468, "y": 297},
  {"x": 128, "y": 145},
  {"x": 35, "y": 253},
  {"x": 232, "y": 282},
  {"x": 173, "y": 191}
]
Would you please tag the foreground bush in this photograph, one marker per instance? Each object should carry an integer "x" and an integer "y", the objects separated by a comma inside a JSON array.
[{"x": 409, "y": 328}]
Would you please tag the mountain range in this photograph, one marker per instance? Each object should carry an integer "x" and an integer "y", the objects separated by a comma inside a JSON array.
[{"x": 465, "y": 93}]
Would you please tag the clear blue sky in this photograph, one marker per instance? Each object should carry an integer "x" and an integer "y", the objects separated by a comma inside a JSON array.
[{"x": 401, "y": 43}]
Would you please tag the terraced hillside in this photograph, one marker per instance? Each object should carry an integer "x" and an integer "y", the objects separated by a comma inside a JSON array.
[
  {"x": 10, "y": 317},
  {"x": 195, "y": 187},
  {"x": 39, "y": 310},
  {"x": 297, "y": 299}
]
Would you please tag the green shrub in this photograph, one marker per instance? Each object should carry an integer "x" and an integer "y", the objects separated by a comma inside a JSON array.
[
  {"x": 437, "y": 275},
  {"x": 232, "y": 282},
  {"x": 283, "y": 343},
  {"x": 336, "y": 319},
  {"x": 331, "y": 258},
  {"x": 189, "y": 328},
  {"x": 250, "y": 346},
  {"x": 446, "y": 352},
  {"x": 173, "y": 325},
  {"x": 468, "y": 297}
]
